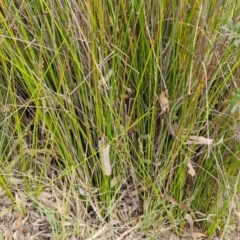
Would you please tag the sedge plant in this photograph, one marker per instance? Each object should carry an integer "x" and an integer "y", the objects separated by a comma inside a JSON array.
[{"x": 115, "y": 119}]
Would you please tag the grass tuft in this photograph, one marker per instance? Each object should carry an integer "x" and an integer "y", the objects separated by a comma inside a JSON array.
[{"x": 119, "y": 119}]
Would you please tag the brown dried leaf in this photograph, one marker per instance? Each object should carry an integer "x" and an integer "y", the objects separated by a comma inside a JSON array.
[
  {"x": 199, "y": 140},
  {"x": 46, "y": 199},
  {"x": 104, "y": 156},
  {"x": 191, "y": 170},
  {"x": 199, "y": 235},
  {"x": 164, "y": 103},
  {"x": 9, "y": 236},
  {"x": 18, "y": 221}
]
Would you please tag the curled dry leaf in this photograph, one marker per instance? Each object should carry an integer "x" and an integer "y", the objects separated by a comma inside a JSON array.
[
  {"x": 199, "y": 140},
  {"x": 191, "y": 170},
  {"x": 188, "y": 217},
  {"x": 104, "y": 156},
  {"x": 199, "y": 235},
  {"x": 164, "y": 103},
  {"x": 18, "y": 221}
]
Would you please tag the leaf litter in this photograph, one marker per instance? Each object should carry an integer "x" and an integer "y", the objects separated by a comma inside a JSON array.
[{"x": 33, "y": 216}]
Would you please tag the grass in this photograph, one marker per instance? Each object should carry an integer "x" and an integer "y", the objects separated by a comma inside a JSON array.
[{"x": 142, "y": 85}]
